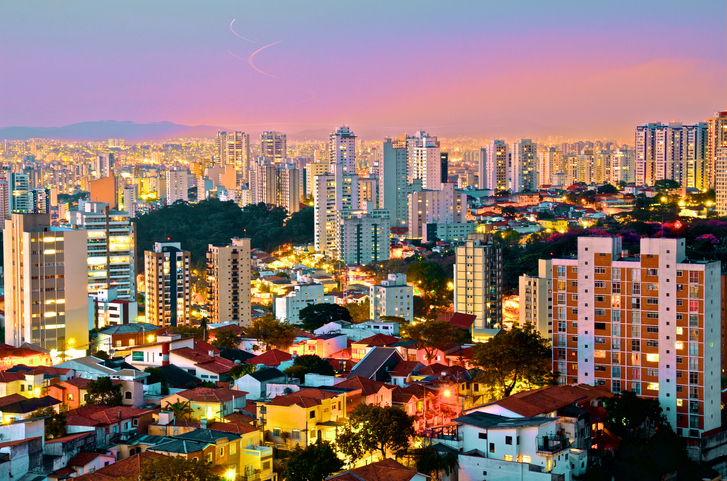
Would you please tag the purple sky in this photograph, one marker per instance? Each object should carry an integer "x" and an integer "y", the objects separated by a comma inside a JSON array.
[{"x": 484, "y": 68}]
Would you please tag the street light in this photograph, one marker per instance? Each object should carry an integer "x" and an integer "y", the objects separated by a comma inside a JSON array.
[{"x": 230, "y": 475}]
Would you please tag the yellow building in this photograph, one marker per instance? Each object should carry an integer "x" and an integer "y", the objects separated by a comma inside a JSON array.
[
  {"x": 303, "y": 417},
  {"x": 208, "y": 403},
  {"x": 554, "y": 225}
]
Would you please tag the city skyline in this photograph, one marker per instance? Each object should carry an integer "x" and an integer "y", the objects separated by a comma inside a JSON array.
[{"x": 528, "y": 70}]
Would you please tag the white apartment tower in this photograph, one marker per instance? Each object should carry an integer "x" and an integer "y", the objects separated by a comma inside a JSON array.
[
  {"x": 111, "y": 247},
  {"x": 104, "y": 165},
  {"x": 442, "y": 206},
  {"x": 46, "y": 300},
  {"x": 392, "y": 298},
  {"x": 362, "y": 237},
  {"x": 166, "y": 278},
  {"x": 524, "y": 166},
  {"x": 234, "y": 148},
  {"x": 425, "y": 160},
  {"x": 494, "y": 168},
  {"x": 393, "y": 181},
  {"x": 535, "y": 306},
  {"x": 177, "y": 186},
  {"x": 478, "y": 284},
  {"x": 342, "y": 149},
  {"x": 647, "y": 323}
]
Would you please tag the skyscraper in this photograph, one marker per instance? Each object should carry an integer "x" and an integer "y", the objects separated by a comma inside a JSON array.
[
  {"x": 342, "y": 149},
  {"x": 104, "y": 165},
  {"x": 362, "y": 237},
  {"x": 233, "y": 148},
  {"x": 674, "y": 152},
  {"x": 46, "y": 300},
  {"x": 177, "y": 186},
  {"x": 443, "y": 206},
  {"x": 166, "y": 278},
  {"x": 524, "y": 166},
  {"x": 717, "y": 138},
  {"x": 273, "y": 147},
  {"x": 228, "y": 276},
  {"x": 111, "y": 248},
  {"x": 494, "y": 168},
  {"x": 425, "y": 160},
  {"x": 478, "y": 284},
  {"x": 393, "y": 179}
]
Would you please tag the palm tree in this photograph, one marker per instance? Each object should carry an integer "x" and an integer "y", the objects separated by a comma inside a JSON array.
[{"x": 181, "y": 410}]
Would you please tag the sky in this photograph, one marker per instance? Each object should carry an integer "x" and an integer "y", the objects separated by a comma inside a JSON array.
[{"x": 521, "y": 68}]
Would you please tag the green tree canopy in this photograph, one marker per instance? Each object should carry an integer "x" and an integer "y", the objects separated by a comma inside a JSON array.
[
  {"x": 314, "y": 316},
  {"x": 182, "y": 410},
  {"x": 360, "y": 311},
  {"x": 104, "y": 392},
  {"x": 666, "y": 184},
  {"x": 309, "y": 363},
  {"x": 225, "y": 338},
  {"x": 374, "y": 428},
  {"x": 433, "y": 335},
  {"x": 607, "y": 189},
  {"x": 515, "y": 359},
  {"x": 314, "y": 463},
  {"x": 271, "y": 332},
  {"x": 240, "y": 370},
  {"x": 157, "y": 375},
  {"x": 630, "y": 415},
  {"x": 55, "y": 422},
  {"x": 175, "y": 469}
]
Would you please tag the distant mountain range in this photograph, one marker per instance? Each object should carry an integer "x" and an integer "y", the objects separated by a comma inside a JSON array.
[{"x": 108, "y": 129}]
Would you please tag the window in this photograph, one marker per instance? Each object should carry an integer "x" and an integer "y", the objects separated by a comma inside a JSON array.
[
  {"x": 693, "y": 277},
  {"x": 652, "y": 315},
  {"x": 135, "y": 422},
  {"x": 508, "y": 457},
  {"x": 652, "y": 357},
  {"x": 312, "y": 414},
  {"x": 266, "y": 466},
  {"x": 616, "y": 386},
  {"x": 653, "y": 386},
  {"x": 561, "y": 271},
  {"x": 652, "y": 272},
  {"x": 635, "y": 345},
  {"x": 492, "y": 447},
  {"x": 128, "y": 395},
  {"x": 635, "y": 303},
  {"x": 636, "y": 288},
  {"x": 483, "y": 435},
  {"x": 508, "y": 440},
  {"x": 652, "y": 329},
  {"x": 600, "y": 325},
  {"x": 654, "y": 301},
  {"x": 70, "y": 397},
  {"x": 600, "y": 298},
  {"x": 599, "y": 270},
  {"x": 295, "y": 434},
  {"x": 599, "y": 284},
  {"x": 233, "y": 447},
  {"x": 222, "y": 451},
  {"x": 693, "y": 378},
  {"x": 137, "y": 356},
  {"x": 276, "y": 432}
]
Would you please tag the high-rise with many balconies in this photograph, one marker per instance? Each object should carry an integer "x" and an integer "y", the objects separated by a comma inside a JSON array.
[
  {"x": 228, "y": 277},
  {"x": 167, "y": 283}
]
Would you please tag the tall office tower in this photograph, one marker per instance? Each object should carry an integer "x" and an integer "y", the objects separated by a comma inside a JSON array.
[
  {"x": 481, "y": 157},
  {"x": 673, "y": 151},
  {"x": 443, "y": 206},
  {"x": 648, "y": 323},
  {"x": 696, "y": 138},
  {"x": 228, "y": 276},
  {"x": 361, "y": 237},
  {"x": 478, "y": 284},
  {"x": 19, "y": 198},
  {"x": 425, "y": 160},
  {"x": 571, "y": 164},
  {"x": 524, "y": 166},
  {"x": 534, "y": 292},
  {"x": 273, "y": 147},
  {"x": 550, "y": 161},
  {"x": 176, "y": 186},
  {"x": 111, "y": 248},
  {"x": 234, "y": 148},
  {"x": 720, "y": 187},
  {"x": 4, "y": 197},
  {"x": 494, "y": 166},
  {"x": 444, "y": 156},
  {"x": 312, "y": 170},
  {"x": 131, "y": 194},
  {"x": 104, "y": 165},
  {"x": 334, "y": 194},
  {"x": 46, "y": 302},
  {"x": 262, "y": 183},
  {"x": 622, "y": 166},
  {"x": 166, "y": 277},
  {"x": 342, "y": 149},
  {"x": 717, "y": 138},
  {"x": 393, "y": 182},
  {"x": 392, "y": 298},
  {"x": 288, "y": 188}
]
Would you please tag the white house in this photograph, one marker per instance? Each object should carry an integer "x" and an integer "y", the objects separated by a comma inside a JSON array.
[{"x": 255, "y": 384}]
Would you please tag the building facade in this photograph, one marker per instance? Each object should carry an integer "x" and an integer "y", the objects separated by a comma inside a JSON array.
[
  {"x": 167, "y": 283},
  {"x": 228, "y": 278},
  {"x": 392, "y": 298}
]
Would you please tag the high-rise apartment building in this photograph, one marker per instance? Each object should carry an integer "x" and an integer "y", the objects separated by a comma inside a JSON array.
[
  {"x": 46, "y": 300},
  {"x": 524, "y": 166},
  {"x": 535, "y": 306},
  {"x": 167, "y": 283},
  {"x": 111, "y": 247},
  {"x": 393, "y": 181},
  {"x": 424, "y": 159},
  {"x": 342, "y": 149},
  {"x": 4, "y": 197},
  {"x": 362, "y": 237},
  {"x": 622, "y": 166},
  {"x": 288, "y": 188},
  {"x": 550, "y": 162},
  {"x": 392, "y": 298},
  {"x": 673, "y": 151},
  {"x": 273, "y": 147},
  {"x": 177, "y": 185},
  {"x": 717, "y": 138},
  {"x": 443, "y": 206},
  {"x": 494, "y": 169},
  {"x": 275, "y": 185},
  {"x": 478, "y": 284},
  {"x": 444, "y": 160},
  {"x": 647, "y": 323},
  {"x": 233, "y": 148},
  {"x": 720, "y": 179},
  {"x": 312, "y": 170},
  {"x": 228, "y": 276},
  {"x": 104, "y": 165},
  {"x": 20, "y": 199}
]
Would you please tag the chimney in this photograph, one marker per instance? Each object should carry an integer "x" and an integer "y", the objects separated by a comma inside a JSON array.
[
  {"x": 119, "y": 411},
  {"x": 203, "y": 423}
]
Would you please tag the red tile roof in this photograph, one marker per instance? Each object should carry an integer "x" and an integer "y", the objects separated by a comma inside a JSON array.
[
  {"x": 405, "y": 368},
  {"x": 70, "y": 437},
  {"x": 83, "y": 458},
  {"x": 128, "y": 468},
  {"x": 438, "y": 369},
  {"x": 11, "y": 376},
  {"x": 366, "y": 385},
  {"x": 116, "y": 414},
  {"x": 294, "y": 400},
  {"x": 458, "y": 319},
  {"x": 7, "y": 444},
  {"x": 548, "y": 399},
  {"x": 271, "y": 358},
  {"x": 317, "y": 393},
  {"x": 206, "y": 347},
  {"x": 232, "y": 427},
  {"x": 13, "y": 398},
  {"x": 208, "y": 394},
  {"x": 384, "y": 470},
  {"x": 378, "y": 340}
]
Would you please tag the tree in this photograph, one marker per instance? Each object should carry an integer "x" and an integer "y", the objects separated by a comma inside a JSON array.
[
  {"x": 55, "y": 422},
  {"x": 104, "y": 392},
  {"x": 432, "y": 462},
  {"x": 240, "y": 370},
  {"x": 666, "y": 184},
  {"x": 374, "y": 428},
  {"x": 314, "y": 463},
  {"x": 431, "y": 280},
  {"x": 519, "y": 358},
  {"x": 271, "y": 332},
  {"x": 397, "y": 319},
  {"x": 314, "y": 316},
  {"x": 434, "y": 335},
  {"x": 309, "y": 363},
  {"x": 225, "y": 338},
  {"x": 182, "y": 410},
  {"x": 607, "y": 189},
  {"x": 630, "y": 415},
  {"x": 176, "y": 469},
  {"x": 360, "y": 311}
]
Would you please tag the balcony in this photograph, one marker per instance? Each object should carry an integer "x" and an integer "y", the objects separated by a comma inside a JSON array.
[{"x": 553, "y": 444}]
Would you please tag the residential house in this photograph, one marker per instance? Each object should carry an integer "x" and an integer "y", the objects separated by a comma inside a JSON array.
[
  {"x": 62, "y": 450},
  {"x": 359, "y": 349},
  {"x": 74, "y": 392},
  {"x": 91, "y": 367},
  {"x": 377, "y": 364},
  {"x": 273, "y": 358},
  {"x": 108, "y": 422},
  {"x": 403, "y": 371},
  {"x": 17, "y": 407},
  {"x": 323, "y": 345},
  {"x": 367, "y": 391},
  {"x": 386, "y": 469},
  {"x": 20, "y": 457},
  {"x": 209, "y": 403},
  {"x": 129, "y": 468},
  {"x": 25, "y": 354},
  {"x": 303, "y": 417},
  {"x": 255, "y": 383},
  {"x": 90, "y": 462},
  {"x": 122, "y": 336}
]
